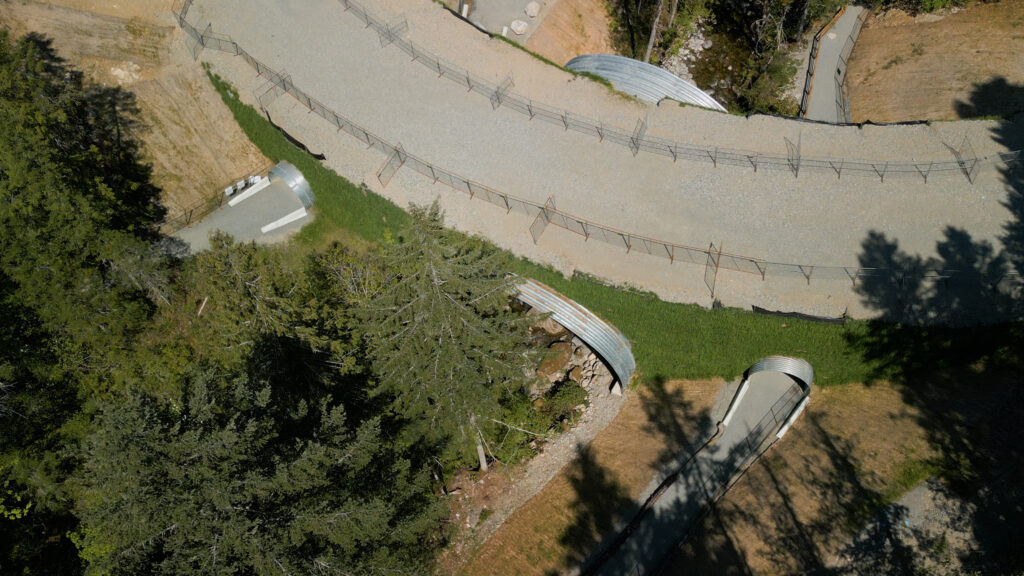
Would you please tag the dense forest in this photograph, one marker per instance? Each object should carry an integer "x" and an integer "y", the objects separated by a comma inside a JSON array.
[{"x": 244, "y": 410}]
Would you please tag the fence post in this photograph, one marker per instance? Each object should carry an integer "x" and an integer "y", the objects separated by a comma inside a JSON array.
[
  {"x": 793, "y": 155},
  {"x": 540, "y": 223},
  {"x": 711, "y": 272},
  {"x": 806, "y": 271}
]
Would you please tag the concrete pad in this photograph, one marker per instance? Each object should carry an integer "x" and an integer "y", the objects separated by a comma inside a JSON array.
[{"x": 245, "y": 221}]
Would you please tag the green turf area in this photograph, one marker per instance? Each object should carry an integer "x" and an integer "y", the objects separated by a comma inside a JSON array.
[
  {"x": 669, "y": 340},
  {"x": 344, "y": 211}
]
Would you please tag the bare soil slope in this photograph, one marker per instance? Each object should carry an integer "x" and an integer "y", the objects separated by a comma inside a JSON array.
[
  {"x": 558, "y": 526},
  {"x": 854, "y": 448},
  {"x": 189, "y": 136},
  {"x": 571, "y": 28},
  {"x": 918, "y": 68}
]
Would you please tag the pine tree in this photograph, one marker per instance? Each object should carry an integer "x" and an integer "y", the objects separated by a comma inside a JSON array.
[
  {"x": 240, "y": 477},
  {"x": 260, "y": 454},
  {"x": 443, "y": 339},
  {"x": 81, "y": 270}
]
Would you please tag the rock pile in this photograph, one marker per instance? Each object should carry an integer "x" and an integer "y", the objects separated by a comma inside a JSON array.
[
  {"x": 568, "y": 359},
  {"x": 680, "y": 62}
]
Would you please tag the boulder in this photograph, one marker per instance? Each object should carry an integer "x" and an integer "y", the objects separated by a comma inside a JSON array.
[
  {"x": 576, "y": 374},
  {"x": 551, "y": 327},
  {"x": 519, "y": 27},
  {"x": 532, "y": 9},
  {"x": 603, "y": 380},
  {"x": 554, "y": 365}
]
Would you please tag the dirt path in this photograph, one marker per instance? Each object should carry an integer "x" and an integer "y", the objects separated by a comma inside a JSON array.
[
  {"x": 558, "y": 526},
  {"x": 906, "y": 68},
  {"x": 188, "y": 135},
  {"x": 571, "y": 28}
]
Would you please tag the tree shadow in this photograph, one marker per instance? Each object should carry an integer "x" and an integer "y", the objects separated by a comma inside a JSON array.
[
  {"x": 669, "y": 413},
  {"x": 600, "y": 504},
  {"x": 97, "y": 140},
  {"x": 997, "y": 97},
  {"x": 794, "y": 523},
  {"x": 956, "y": 343}
]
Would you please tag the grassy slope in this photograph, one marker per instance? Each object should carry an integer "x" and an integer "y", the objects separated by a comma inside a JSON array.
[{"x": 669, "y": 340}]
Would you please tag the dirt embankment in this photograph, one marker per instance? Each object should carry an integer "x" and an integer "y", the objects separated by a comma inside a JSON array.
[
  {"x": 571, "y": 28},
  {"x": 853, "y": 449},
  {"x": 927, "y": 67},
  {"x": 188, "y": 134},
  {"x": 559, "y": 526}
]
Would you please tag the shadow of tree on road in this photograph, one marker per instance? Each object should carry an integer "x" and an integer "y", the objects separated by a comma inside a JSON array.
[
  {"x": 957, "y": 347},
  {"x": 602, "y": 505}
]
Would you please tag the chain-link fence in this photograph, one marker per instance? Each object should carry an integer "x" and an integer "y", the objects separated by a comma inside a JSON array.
[
  {"x": 501, "y": 95},
  {"x": 842, "y": 96},
  {"x": 185, "y": 216},
  {"x": 547, "y": 213}
]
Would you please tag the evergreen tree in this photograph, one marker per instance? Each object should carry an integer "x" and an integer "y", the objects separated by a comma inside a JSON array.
[
  {"x": 259, "y": 454},
  {"x": 443, "y": 339},
  {"x": 238, "y": 477},
  {"x": 80, "y": 269}
]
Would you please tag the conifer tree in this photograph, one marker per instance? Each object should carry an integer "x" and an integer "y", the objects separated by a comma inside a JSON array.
[
  {"x": 443, "y": 340},
  {"x": 240, "y": 477}
]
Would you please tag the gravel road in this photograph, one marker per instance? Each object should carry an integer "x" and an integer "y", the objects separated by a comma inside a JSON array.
[{"x": 815, "y": 218}]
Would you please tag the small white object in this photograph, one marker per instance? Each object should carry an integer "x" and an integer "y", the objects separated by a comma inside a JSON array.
[
  {"x": 532, "y": 9},
  {"x": 263, "y": 183},
  {"x": 504, "y": 31},
  {"x": 519, "y": 27},
  {"x": 465, "y": 10},
  {"x": 735, "y": 403},
  {"x": 283, "y": 221},
  {"x": 240, "y": 185},
  {"x": 253, "y": 180},
  {"x": 229, "y": 190}
]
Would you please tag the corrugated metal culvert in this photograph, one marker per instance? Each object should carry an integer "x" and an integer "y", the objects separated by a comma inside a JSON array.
[
  {"x": 797, "y": 368},
  {"x": 603, "y": 338},
  {"x": 645, "y": 81},
  {"x": 291, "y": 176}
]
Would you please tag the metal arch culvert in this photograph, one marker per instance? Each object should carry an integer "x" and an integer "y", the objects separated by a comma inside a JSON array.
[{"x": 645, "y": 81}]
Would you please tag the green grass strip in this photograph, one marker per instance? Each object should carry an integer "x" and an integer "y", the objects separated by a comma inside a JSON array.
[{"x": 340, "y": 205}]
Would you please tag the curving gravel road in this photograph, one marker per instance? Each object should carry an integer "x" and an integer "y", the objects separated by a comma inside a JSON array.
[{"x": 815, "y": 218}]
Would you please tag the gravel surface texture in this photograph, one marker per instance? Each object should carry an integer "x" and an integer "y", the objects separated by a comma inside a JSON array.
[{"x": 815, "y": 219}]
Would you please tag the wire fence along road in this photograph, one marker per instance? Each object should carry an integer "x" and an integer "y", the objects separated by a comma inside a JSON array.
[
  {"x": 842, "y": 98},
  {"x": 201, "y": 208},
  {"x": 501, "y": 95},
  {"x": 547, "y": 213}
]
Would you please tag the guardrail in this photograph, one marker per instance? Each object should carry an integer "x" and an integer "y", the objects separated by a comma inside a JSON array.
[{"x": 546, "y": 213}]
